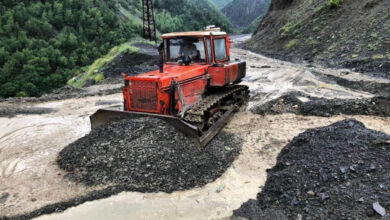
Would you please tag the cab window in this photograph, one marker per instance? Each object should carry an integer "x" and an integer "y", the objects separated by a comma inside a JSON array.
[
  {"x": 220, "y": 49},
  {"x": 181, "y": 47}
]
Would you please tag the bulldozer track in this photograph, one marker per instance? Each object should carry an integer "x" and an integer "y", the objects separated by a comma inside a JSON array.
[{"x": 196, "y": 114}]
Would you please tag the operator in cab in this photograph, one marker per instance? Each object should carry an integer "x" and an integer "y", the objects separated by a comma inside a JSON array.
[{"x": 188, "y": 50}]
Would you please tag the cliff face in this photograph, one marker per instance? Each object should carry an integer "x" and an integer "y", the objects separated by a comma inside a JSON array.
[
  {"x": 241, "y": 13},
  {"x": 353, "y": 34}
]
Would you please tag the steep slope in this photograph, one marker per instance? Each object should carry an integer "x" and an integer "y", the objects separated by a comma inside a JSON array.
[
  {"x": 221, "y": 3},
  {"x": 353, "y": 34},
  {"x": 243, "y": 12}
]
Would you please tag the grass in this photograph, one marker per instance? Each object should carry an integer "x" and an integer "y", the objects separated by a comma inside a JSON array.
[
  {"x": 290, "y": 28},
  {"x": 291, "y": 45},
  {"x": 371, "y": 46},
  {"x": 99, "y": 77},
  {"x": 95, "y": 71}
]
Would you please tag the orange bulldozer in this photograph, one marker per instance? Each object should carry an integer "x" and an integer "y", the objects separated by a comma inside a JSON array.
[{"x": 196, "y": 88}]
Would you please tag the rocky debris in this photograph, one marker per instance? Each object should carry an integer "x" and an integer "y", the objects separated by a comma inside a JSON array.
[
  {"x": 379, "y": 209},
  {"x": 146, "y": 155},
  {"x": 311, "y": 162},
  {"x": 291, "y": 103}
]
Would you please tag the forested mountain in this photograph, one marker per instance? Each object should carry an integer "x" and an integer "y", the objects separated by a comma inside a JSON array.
[
  {"x": 44, "y": 43},
  {"x": 242, "y": 13},
  {"x": 185, "y": 15},
  {"x": 221, "y": 3}
]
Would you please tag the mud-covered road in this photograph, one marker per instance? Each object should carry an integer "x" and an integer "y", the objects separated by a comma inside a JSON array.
[{"x": 29, "y": 144}]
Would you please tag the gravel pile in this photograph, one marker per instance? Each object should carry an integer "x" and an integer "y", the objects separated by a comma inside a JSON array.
[
  {"x": 147, "y": 155},
  {"x": 336, "y": 172},
  {"x": 292, "y": 103}
]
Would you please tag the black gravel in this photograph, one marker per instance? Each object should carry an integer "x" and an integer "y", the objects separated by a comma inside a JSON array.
[
  {"x": 333, "y": 172},
  {"x": 146, "y": 155},
  {"x": 290, "y": 103}
]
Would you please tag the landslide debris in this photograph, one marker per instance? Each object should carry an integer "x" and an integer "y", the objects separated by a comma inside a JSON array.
[
  {"x": 133, "y": 63},
  {"x": 352, "y": 34},
  {"x": 146, "y": 155},
  {"x": 301, "y": 104},
  {"x": 335, "y": 172}
]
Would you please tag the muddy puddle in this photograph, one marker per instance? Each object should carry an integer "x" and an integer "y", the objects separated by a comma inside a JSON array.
[{"x": 29, "y": 145}]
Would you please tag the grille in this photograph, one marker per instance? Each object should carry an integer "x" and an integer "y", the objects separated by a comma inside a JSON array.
[{"x": 144, "y": 95}]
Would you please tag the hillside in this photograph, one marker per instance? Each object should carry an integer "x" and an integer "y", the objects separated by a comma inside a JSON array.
[
  {"x": 45, "y": 43},
  {"x": 242, "y": 13},
  {"x": 353, "y": 34},
  {"x": 178, "y": 15},
  {"x": 185, "y": 15}
]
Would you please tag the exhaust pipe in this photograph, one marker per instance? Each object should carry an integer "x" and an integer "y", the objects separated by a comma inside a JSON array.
[{"x": 161, "y": 59}]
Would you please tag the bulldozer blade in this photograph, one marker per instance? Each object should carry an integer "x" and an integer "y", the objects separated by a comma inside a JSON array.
[{"x": 104, "y": 116}]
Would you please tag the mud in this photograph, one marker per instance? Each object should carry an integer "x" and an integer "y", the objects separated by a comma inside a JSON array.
[
  {"x": 301, "y": 104},
  {"x": 146, "y": 155},
  {"x": 333, "y": 172}
]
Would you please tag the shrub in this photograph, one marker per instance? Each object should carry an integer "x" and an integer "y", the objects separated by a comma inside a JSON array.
[{"x": 334, "y": 3}]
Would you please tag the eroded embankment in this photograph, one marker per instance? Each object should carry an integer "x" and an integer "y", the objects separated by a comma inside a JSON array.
[{"x": 333, "y": 172}]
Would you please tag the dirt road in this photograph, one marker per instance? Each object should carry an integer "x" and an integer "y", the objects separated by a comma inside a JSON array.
[{"x": 29, "y": 144}]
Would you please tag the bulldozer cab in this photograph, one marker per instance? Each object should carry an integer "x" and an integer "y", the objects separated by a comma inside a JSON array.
[{"x": 201, "y": 47}]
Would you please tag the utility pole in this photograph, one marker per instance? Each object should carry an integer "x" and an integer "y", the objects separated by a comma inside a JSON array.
[{"x": 148, "y": 20}]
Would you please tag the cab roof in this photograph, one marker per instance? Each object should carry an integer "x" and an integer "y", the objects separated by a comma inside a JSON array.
[{"x": 194, "y": 33}]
